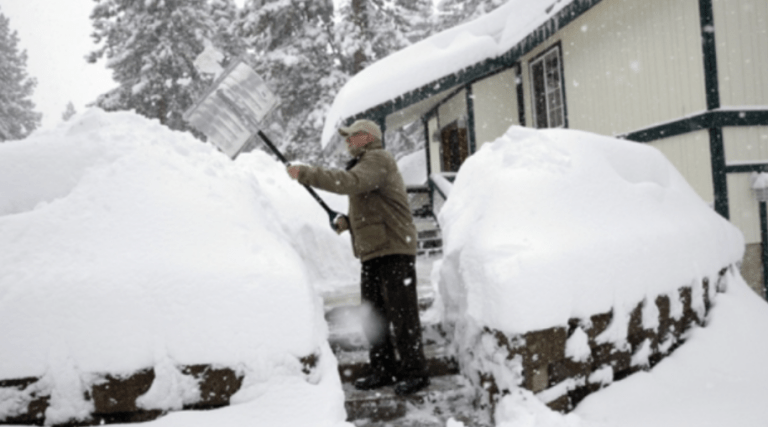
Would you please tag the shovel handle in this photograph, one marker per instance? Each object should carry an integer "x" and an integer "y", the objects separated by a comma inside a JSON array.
[
  {"x": 246, "y": 118},
  {"x": 332, "y": 215},
  {"x": 272, "y": 147}
]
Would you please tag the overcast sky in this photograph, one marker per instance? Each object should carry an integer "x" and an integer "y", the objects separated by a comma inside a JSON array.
[{"x": 56, "y": 36}]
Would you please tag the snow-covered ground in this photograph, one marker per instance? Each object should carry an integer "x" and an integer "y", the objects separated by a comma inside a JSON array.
[{"x": 125, "y": 245}]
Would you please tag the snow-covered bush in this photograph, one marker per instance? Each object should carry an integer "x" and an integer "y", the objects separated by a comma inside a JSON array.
[
  {"x": 546, "y": 227},
  {"x": 127, "y": 246}
]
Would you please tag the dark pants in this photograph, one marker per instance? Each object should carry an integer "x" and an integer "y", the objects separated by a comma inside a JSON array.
[{"x": 388, "y": 286}]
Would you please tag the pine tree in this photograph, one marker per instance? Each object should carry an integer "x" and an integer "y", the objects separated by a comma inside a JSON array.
[
  {"x": 224, "y": 14},
  {"x": 372, "y": 29},
  {"x": 306, "y": 55},
  {"x": 291, "y": 41},
  {"x": 69, "y": 112},
  {"x": 151, "y": 45},
  {"x": 454, "y": 12},
  {"x": 418, "y": 18},
  {"x": 17, "y": 116}
]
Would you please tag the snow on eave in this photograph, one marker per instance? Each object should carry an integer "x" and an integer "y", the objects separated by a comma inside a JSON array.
[{"x": 423, "y": 64}]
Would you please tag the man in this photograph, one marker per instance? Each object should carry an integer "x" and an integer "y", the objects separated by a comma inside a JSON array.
[{"x": 384, "y": 239}]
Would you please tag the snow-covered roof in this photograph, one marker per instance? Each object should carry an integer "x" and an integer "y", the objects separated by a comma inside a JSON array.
[{"x": 440, "y": 55}]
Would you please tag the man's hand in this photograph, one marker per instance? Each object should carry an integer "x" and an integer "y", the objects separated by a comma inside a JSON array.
[
  {"x": 293, "y": 171},
  {"x": 342, "y": 224}
]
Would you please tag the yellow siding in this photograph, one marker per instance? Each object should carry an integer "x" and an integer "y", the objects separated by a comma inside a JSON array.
[
  {"x": 495, "y": 106},
  {"x": 741, "y": 35},
  {"x": 453, "y": 109},
  {"x": 746, "y": 144},
  {"x": 689, "y": 154},
  {"x": 629, "y": 64},
  {"x": 434, "y": 147},
  {"x": 744, "y": 208}
]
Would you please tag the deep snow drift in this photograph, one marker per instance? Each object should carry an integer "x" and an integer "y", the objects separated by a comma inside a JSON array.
[
  {"x": 546, "y": 225},
  {"x": 413, "y": 166},
  {"x": 590, "y": 224},
  {"x": 124, "y": 245}
]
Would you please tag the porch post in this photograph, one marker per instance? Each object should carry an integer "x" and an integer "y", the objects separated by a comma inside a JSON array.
[
  {"x": 717, "y": 151},
  {"x": 382, "y": 122},
  {"x": 764, "y": 246},
  {"x": 471, "y": 119}
]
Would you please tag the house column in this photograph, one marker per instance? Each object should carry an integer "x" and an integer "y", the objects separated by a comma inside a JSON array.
[
  {"x": 471, "y": 119},
  {"x": 764, "y": 245},
  {"x": 382, "y": 122},
  {"x": 717, "y": 151}
]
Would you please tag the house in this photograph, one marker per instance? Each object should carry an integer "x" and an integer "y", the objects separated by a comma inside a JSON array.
[{"x": 686, "y": 76}]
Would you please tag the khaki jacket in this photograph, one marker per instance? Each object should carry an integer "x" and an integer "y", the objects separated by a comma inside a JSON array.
[{"x": 379, "y": 215}]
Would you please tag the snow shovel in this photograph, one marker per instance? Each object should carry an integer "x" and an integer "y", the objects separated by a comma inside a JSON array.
[{"x": 230, "y": 111}]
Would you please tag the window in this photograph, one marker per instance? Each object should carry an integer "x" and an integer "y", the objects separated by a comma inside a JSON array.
[
  {"x": 547, "y": 90},
  {"x": 454, "y": 147}
]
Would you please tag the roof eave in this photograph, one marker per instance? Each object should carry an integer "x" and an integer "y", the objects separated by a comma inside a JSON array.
[{"x": 481, "y": 69}]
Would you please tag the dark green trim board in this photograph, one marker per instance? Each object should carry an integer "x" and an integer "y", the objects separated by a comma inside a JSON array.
[
  {"x": 425, "y": 123},
  {"x": 716, "y": 148},
  {"x": 719, "y": 180},
  {"x": 709, "y": 51},
  {"x": 382, "y": 122},
  {"x": 486, "y": 67},
  {"x": 746, "y": 168},
  {"x": 764, "y": 246},
  {"x": 471, "y": 120},
  {"x": 701, "y": 121},
  {"x": 435, "y": 111},
  {"x": 714, "y": 122},
  {"x": 429, "y": 114},
  {"x": 520, "y": 95}
]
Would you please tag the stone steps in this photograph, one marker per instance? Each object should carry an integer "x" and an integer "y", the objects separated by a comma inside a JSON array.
[
  {"x": 448, "y": 396},
  {"x": 354, "y": 364},
  {"x": 430, "y": 239}
]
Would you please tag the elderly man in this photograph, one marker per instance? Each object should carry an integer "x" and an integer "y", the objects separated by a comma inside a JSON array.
[{"x": 384, "y": 239}]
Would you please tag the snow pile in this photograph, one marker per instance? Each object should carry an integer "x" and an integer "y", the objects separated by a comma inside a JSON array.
[
  {"x": 489, "y": 36},
  {"x": 413, "y": 167},
  {"x": 543, "y": 226},
  {"x": 717, "y": 378},
  {"x": 124, "y": 245},
  {"x": 759, "y": 181}
]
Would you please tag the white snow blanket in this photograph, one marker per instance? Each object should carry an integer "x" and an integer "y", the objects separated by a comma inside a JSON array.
[
  {"x": 543, "y": 226},
  {"x": 125, "y": 245},
  {"x": 413, "y": 167}
]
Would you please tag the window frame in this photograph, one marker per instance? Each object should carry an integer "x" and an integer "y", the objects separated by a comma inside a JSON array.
[{"x": 541, "y": 59}]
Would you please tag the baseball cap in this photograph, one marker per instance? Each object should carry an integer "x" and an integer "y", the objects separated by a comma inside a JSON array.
[{"x": 362, "y": 125}]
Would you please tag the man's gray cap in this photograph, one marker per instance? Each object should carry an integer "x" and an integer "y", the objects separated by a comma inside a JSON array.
[{"x": 361, "y": 125}]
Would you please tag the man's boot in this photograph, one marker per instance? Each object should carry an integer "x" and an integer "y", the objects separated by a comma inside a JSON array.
[
  {"x": 374, "y": 381},
  {"x": 411, "y": 385}
]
